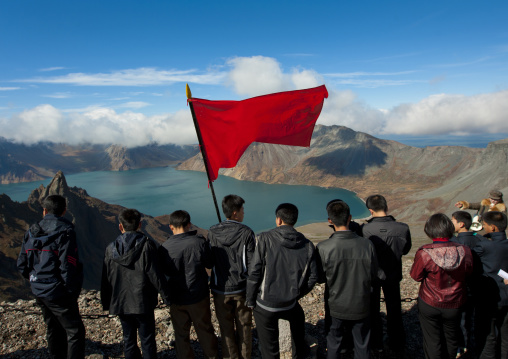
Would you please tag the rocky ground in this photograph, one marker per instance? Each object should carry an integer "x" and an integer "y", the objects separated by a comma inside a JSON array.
[{"x": 22, "y": 329}]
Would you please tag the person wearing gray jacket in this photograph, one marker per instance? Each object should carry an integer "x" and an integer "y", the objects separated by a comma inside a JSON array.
[
  {"x": 282, "y": 271},
  {"x": 392, "y": 240},
  {"x": 347, "y": 264}
]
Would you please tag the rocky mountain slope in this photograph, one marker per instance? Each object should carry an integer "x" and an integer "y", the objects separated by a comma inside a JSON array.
[
  {"x": 416, "y": 181},
  {"x": 22, "y": 163},
  {"x": 95, "y": 223}
]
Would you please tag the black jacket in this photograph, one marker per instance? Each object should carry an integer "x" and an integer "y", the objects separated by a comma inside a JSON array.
[
  {"x": 347, "y": 264},
  {"x": 183, "y": 258},
  {"x": 49, "y": 258},
  {"x": 283, "y": 269},
  {"x": 392, "y": 240},
  {"x": 469, "y": 239},
  {"x": 232, "y": 246},
  {"x": 131, "y": 276},
  {"x": 493, "y": 253}
]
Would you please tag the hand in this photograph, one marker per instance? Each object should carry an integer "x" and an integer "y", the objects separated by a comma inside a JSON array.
[
  {"x": 505, "y": 281},
  {"x": 459, "y": 205}
]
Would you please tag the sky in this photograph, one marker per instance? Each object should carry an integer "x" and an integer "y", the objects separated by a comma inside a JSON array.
[{"x": 423, "y": 72}]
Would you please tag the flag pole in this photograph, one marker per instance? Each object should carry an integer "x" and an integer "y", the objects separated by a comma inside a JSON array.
[{"x": 202, "y": 148}]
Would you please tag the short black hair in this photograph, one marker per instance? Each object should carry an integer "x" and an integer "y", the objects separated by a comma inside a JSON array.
[
  {"x": 463, "y": 217},
  {"x": 55, "y": 204},
  {"x": 232, "y": 203},
  {"x": 179, "y": 219},
  {"x": 130, "y": 219},
  {"x": 288, "y": 212},
  {"x": 338, "y": 213},
  {"x": 332, "y": 201},
  {"x": 439, "y": 226},
  {"x": 495, "y": 218},
  {"x": 377, "y": 203}
]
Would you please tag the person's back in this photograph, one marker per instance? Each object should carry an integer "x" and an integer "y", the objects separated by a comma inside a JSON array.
[
  {"x": 232, "y": 245},
  {"x": 492, "y": 309},
  {"x": 129, "y": 290},
  {"x": 462, "y": 222},
  {"x": 49, "y": 259},
  {"x": 348, "y": 266},
  {"x": 281, "y": 250},
  {"x": 184, "y": 259},
  {"x": 392, "y": 240},
  {"x": 131, "y": 281},
  {"x": 282, "y": 271}
]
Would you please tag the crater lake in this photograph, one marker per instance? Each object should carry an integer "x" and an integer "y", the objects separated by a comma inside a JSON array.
[{"x": 159, "y": 191}]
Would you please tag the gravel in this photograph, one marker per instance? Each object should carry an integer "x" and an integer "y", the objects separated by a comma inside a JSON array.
[{"x": 23, "y": 331}]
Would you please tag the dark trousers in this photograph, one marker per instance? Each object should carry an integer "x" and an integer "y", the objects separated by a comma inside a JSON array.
[
  {"x": 467, "y": 325},
  {"x": 65, "y": 330},
  {"x": 440, "y": 329},
  {"x": 267, "y": 325},
  {"x": 493, "y": 327},
  {"x": 199, "y": 314},
  {"x": 339, "y": 328},
  {"x": 395, "y": 327},
  {"x": 145, "y": 325}
]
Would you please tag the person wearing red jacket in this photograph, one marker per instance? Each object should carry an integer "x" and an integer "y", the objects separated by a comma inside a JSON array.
[{"x": 442, "y": 268}]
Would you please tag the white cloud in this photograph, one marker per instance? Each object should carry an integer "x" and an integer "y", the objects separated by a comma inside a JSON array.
[
  {"x": 98, "y": 126},
  {"x": 260, "y": 75},
  {"x": 344, "y": 109},
  {"x": 59, "y": 95},
  {"x": 252, "y": 76},
  {"x": 134, "y": 104},
  {"x": 55, "y": 68},
  {"x": 364, "y": 79},
  {"x": 144, "y": 76},
  {"x": 9, "y": 88},
  {"x": 364, "y": 73},
  {"x": 451, "y": 114}
]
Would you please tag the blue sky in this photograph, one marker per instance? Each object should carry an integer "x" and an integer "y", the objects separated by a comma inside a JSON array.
[{"x": 115, "y": 71}]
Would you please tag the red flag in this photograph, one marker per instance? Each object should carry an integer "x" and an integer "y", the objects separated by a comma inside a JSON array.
[{"x": 229, "y": 127}]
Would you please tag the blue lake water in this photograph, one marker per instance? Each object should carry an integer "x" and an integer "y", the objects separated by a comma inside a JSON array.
[{"x": 158, "y": 191}]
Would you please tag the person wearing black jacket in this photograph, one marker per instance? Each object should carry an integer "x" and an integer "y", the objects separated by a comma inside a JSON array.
[
  {"x": 347, "y": 264},
  {"x": 232, "y": 246},
  {"x": 49, "y": 259},
  {"x": 491, "y": 319},
  {"x": 392, "y": 240},
  {"x": 131, "y": 280},
  {"x": 184, "y": 259},
  {"x": 462, "y": 222},
  {"x": 282, "y": 271}
]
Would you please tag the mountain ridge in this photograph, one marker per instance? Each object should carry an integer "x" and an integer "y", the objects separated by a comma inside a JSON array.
[
  {"x": 416, "y": 181},
  {"x": 27, "y": 163}
]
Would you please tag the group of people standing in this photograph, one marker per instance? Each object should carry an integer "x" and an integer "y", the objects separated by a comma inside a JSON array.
[
  {"x": 264, "y": 277},
  {"x": 463, "y": 301}
]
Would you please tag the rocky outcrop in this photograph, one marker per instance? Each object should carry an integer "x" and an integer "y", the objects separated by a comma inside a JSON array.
[
  {"x": 22, "y": 332},
  {"x": 95, "y": 223},
  {"x": 22, "y": 163}
]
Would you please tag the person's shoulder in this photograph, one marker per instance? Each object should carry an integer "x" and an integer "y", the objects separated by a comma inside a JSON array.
[
  {"x": 243, "y": 227},
  {"x": 150, "y": 243},
  {"x": 109, "y": 249}
]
